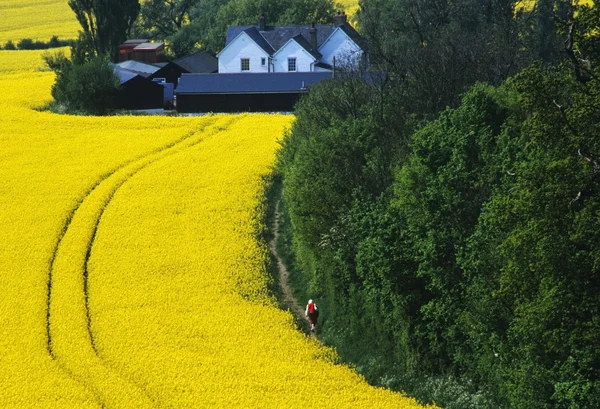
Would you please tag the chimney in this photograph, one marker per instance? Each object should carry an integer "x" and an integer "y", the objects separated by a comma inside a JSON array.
[
  {"x": 339, "y": 19},
  {"x": 313, "y": 36},
  {"x": 261, "y": 22}
]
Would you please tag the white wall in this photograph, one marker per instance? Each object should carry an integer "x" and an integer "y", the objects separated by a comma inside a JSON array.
[
  {"x": 242, "y": 47},
  {"x": 304, "y": 60},
  {"x": 340, "y": 46}
]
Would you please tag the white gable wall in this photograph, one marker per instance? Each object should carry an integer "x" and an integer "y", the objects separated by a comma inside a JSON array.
[
  {"x": 340, "y": 46},
  {"x": 304, "y": 60},
  {"x": 242, "y": 47}
]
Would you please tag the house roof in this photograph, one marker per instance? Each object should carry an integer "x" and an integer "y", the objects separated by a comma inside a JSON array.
[
  {"x": 253, "y": 83},
  {"x": 256, "y": 36},
  {"x": 200, "y": 62},
  {"x": 324, "y": 65},
  {"x": 277, "y": 37},
  {"x": 140, "y": 68},
  {"x": 354, "y": 36},
  {"x": 302, "y": 42}
]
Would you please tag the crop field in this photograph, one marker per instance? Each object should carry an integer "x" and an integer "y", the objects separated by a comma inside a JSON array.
[
  {"x": 130, "y": 271},
  {"x": 38, "y": 20}
]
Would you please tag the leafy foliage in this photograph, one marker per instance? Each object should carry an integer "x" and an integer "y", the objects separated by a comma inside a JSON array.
[
  {"x": 88, "y": 88},
  {"x": 189, "y": 25},
  {"x": 105, "y": 25},
  {"x": 476, "y": 263}
]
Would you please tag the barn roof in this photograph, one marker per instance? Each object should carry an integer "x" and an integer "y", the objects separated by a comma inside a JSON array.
[
  {"x": 141, "y": 68},
  {"x": 250, "y": 83},
  {"x": 200, "y": 62},
  {"x": 149, "y": 46},
  {"x": 124, "y": 74}
]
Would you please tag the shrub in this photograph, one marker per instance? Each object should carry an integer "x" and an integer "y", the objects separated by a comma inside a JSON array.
[{"x": 9, "y": 45}]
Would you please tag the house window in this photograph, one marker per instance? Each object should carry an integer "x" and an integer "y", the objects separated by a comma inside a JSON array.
[
  {"x": 263, "y": 61},
  {"x": 292, "y": 64},
  {"x": 245, "y": 64}
]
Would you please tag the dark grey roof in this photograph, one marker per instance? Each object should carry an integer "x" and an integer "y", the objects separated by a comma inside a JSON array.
[
  {"x": 324, "y": 65},
  {"x": 200, "y": 62},
  {"x": 124, "y": 75},
  {"x": 259, "y": 39},
  {"x": 307, "y": 46},
  {"x": 258, "y": 83},
  {"x": 353, "y": 34},
  {"x": 278, "y": 36}
]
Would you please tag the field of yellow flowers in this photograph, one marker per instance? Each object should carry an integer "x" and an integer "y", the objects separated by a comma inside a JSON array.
[
  {"x": 38, "y": 20},
  {"x": 130, "y": 272}
]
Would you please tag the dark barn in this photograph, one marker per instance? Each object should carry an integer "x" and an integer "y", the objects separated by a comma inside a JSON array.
[
  {"x": 137, "y": 92},
  {"x": 257, "y": 92},
  {"x": 170, "y": 72}
]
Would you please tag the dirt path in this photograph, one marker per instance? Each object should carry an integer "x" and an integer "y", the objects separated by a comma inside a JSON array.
[{"x": 286, "y": 291}]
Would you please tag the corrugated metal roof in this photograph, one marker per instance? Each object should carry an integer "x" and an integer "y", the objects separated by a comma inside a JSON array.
[
  {"x": 124, "y": 75},
  {"x": 139, "y": 67},
  {"x": 200, "y": 62},
  {"x": 258, "y": 83},
  {"x": 149, "y": 46}
]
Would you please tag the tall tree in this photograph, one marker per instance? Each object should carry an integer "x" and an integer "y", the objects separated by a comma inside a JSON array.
[
  {"x": 105, "y": 23},
  {"x": 163, "y": 18},
  {"x": 437, "y": 49}
]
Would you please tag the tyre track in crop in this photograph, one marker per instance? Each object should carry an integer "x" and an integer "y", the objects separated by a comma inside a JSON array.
[{"x": 70, "y": 339}]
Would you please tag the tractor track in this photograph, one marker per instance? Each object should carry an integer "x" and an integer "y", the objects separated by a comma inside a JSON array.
[{"x": 138, "y": 164}]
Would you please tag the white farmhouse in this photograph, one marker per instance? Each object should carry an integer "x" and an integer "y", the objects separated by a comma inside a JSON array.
[{"x": 314, "y": 48}]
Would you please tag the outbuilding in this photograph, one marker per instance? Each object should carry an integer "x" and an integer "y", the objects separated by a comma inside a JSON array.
[
  {"x": 255, "y": 92},
  {"x": 137, "y": 92}
]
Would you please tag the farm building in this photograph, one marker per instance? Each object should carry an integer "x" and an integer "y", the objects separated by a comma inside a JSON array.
[
  {"x": 300, "y": 48},
  {"x": 141, "y": 50},
  {"x": 257, "y": 92},
  {"x": 200, "y": 62},
  {"x": 136, "y": 91}
]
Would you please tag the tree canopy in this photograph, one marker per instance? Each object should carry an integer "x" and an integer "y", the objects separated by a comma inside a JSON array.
[
  {"x": 448, "y": 227},
  {"x": 105, "y": 25}
]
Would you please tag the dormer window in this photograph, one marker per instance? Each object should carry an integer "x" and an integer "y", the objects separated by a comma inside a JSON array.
[
  {"x": 245, "y": 64},
  {"x": 292, "y": 64}
]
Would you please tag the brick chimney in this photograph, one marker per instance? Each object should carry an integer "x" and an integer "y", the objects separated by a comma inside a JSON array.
[
  {"x": 339, "y": 18},
  {"x": 261, "y": 22},
  {"x": 313, "y": 36}
]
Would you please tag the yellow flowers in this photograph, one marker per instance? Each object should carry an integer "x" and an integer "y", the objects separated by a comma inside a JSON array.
[
  {"x": 38, "y": 20},
  {"x": 130, "y": 272}
]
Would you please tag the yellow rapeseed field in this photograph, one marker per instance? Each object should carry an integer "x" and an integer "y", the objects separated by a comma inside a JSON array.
[
  {"x": 130, "y": 271},
  {"x": 36, "y": 19}
]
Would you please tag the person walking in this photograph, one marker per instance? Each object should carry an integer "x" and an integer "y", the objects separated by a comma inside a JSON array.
[{"x": 312, "y": 313}]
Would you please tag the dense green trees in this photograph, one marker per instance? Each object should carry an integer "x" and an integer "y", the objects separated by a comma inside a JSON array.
[
  {"x": 189, "y": 25},
  {"x": 86, "y": 83},
  {"x": 105, "y": 25},
  {"x": 464, "y": 248},
  {"x": 88, "y": 88}
]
